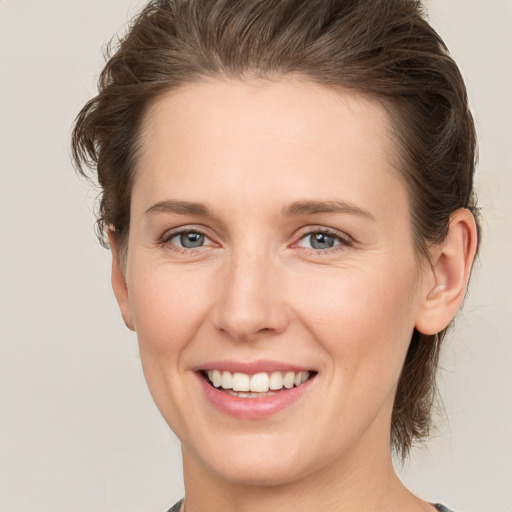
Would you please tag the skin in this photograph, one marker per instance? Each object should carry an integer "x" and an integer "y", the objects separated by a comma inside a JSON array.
[{"x": 257, "y": 289}]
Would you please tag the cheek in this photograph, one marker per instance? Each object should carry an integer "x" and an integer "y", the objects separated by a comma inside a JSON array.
[
  {"x": 363, "y": 318},
  {"x": 168, "y": 306}
]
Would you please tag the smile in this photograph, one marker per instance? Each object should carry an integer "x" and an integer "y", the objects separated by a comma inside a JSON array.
[
  {"x": 254, "y": 390},
  {"x": 258, "y": 385}
]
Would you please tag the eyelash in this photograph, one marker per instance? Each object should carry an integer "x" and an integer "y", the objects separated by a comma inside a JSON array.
[
  {"x": 343, "y": 240},
  {"x": 167, "y": 237}
]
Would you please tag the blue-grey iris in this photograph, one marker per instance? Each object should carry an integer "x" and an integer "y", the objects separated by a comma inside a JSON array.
[
  {"x": 322, "y": 241},
  {"x": 191, "y": 240}
]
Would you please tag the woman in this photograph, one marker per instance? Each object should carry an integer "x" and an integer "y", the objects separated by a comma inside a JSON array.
[{"x": 287, "y": 192}]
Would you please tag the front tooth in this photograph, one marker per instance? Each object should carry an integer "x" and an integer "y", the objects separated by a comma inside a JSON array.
[
  {"x": 259, "y": 383},
  {"x": 216, "y": 378},
  {"x": 241, "y": 382},
  {"x": 227, "y": 380},
  {"x": 289, "y": 380},
  {"x": 276, "y": 381}
]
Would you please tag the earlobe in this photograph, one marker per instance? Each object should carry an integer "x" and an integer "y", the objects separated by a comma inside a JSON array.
[
  {"x": 451, "y": 263},
  {"x": 119, "y": 282}
]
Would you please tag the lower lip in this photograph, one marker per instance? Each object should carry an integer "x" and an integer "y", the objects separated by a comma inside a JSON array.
[{"x": 253, "y": 408}]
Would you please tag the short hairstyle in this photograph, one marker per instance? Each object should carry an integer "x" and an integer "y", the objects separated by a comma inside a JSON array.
[{"x": 382, "y": 48}]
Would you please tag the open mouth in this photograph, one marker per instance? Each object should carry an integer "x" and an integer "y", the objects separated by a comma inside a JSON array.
[{"x": 258, "y": 385}]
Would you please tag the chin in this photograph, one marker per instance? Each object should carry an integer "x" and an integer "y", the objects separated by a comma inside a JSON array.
[
  {"x": 272, "y": 471},
  {"x": 259, "y": 460}
]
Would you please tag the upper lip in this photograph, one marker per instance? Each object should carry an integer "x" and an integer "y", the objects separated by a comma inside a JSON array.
[{"x": 252, "y": 367}]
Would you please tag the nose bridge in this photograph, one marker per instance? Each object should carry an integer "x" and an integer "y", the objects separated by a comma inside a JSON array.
[{"x": 250, "y": 299}]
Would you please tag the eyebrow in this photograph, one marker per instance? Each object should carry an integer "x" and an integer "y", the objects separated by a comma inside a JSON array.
[
  {"x": 180, "y": 208},
  {"x": 313, "y": 207},
  {"x": 294, "y": 209}
]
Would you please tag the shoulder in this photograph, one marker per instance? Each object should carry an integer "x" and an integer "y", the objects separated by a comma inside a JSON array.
[
  {"x": 439, "y": 507},
  {"x": 176, "y": 507}
]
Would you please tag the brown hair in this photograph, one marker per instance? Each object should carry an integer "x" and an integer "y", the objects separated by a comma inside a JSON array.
[{"x": 384, "y": 48}]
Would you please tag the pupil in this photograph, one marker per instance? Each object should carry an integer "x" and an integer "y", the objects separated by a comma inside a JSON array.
[
  {"x": 191, "y": 240},
  {"x": 322, "y": 241}
]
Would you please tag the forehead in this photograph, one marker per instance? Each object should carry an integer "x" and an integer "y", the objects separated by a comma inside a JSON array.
[{"x": 242, "y": 136}]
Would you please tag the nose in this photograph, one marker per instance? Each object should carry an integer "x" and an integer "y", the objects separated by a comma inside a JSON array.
[{"x": 251, "y": 298}]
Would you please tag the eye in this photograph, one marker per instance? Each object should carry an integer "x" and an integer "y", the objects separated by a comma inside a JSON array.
[
  {"x": 188, "y": 239},
  {"x": 321, "y": 240}
]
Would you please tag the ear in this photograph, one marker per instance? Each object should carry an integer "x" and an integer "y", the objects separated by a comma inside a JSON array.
[
  {"x": 447, "y": 278},
  {"x": 119, "y": 281}
]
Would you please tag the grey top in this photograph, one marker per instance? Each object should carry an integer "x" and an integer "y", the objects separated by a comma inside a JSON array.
[{"x": 176, "y": 507}]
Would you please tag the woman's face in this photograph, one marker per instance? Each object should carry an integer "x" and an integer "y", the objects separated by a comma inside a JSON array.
[{"x": 270, "y": 234}]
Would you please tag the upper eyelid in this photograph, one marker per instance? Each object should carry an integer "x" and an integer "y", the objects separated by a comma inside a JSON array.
[
  {"x": 170, "y": 233},
  {"x": 323, "y": 229}
]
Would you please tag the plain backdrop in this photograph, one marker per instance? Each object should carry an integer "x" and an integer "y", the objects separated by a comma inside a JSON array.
[{"x": 78, "y": 428}]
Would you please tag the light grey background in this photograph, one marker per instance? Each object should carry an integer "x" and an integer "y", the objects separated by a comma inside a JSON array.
[{"x": 78, "y": 428}]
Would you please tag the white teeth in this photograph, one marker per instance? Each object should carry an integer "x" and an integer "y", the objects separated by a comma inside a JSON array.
[
  {"x": 276, "y": 381},
  {"x": 258, "y": 383},
  {"x": 248, "y": 394},
  {"x": 289, "y": 380},
  {"x": 216, "y": 377},
  {"x": 241, "y": 382},
  {"x": 227, "y": 380}
]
